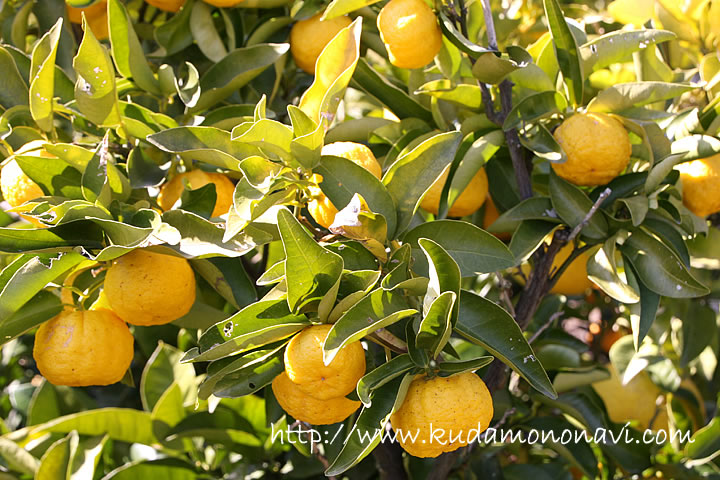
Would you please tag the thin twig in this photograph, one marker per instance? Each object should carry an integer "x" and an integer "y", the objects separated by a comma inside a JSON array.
[
  {"x": 545, "y": 326},
  {"x": 492, "y": 114},
  {"x": 489, "y": 25},
  {"x": 586, "y": 220},
  {"x": 504, "y": 295}
]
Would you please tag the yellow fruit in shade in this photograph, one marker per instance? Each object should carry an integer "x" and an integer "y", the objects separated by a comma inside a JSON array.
[
  {"x": 167, "y": 5},
  {"x": 597, "y": 147},
  {"x": 468, "y": 202},
  {"x": 96, "y": 15},
  {"x": 574, "y": 280},
  {"x": 309, "y": 37},
  {"x": 635, "y": 401},
  {"x": 460, "y": 406},
  {"x": 81, "y": 348},
  {"x": 17, "y": 188},
  {"x": 223, "y": 3},
  {"x": 309, "y": 409},
  {"x": 224, "y": 189},
  {"x": 700, "y": 181},
  {"x": 410, "y": 32},
  {"x": 490, "y": 215},
  {"x": 148, "y": 288},
  {"x": 357, "y": 153},
  {"x": 305, "y": 368}
]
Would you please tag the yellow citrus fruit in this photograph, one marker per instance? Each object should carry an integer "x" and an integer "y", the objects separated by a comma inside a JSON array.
[
  {"x": 96, "y": 16},
  {"x": 147, "y": 288},
  {"x": 469, "y": 201},
  {"x": 701, "y": 185},
  {"x": 224, "y": 189},
  {"x": 167, "y": 5},
  {"x": 437, "y": 410},
  {"x": 574, "y": 280},
  {"x": 305, "y": 368},
  {"x": 410, "y": 32},
  {"x": 223, "y": 3},
  {"x": 634, "y": 401},
  {"x": 597, "y": 147},
  {"x": 17, "y": 188},
  {"x": 81, "y": 348},
  {"x": 321, "y": 208},
  {"x": 305, "y": 408},
  {"x": 309, "y": 37},
  {"x": 357, "y": 153}
]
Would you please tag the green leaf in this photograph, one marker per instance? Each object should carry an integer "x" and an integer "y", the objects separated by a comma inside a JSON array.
[
  {"x": 162, "y": 370},
  {"x": 643, "y": 314},
  {"x": 377, "y": 310},
  {"x": 566, "y": 51},
  {"x": 121, "y": 424},
  {"x": 42, "y": 77},
  {"x": 85, "y": 457},
  {"x": 271, "y": 137},
  {"x": 475, "y": 158},
  {"x": 337, "y": 8},
  {"x": 333, "y": 70},
  {"x": 579, "y": 453},
  {"x": 87, "y": 235},
  {"x": 538, "y": 139},
  {"x": 396, "y": 99},
  {"x": 206, "y": 36},
  {"x": 256, "y": 325},
  {"x": 534, "y": 208},
  {"x": 229, "y": 278},
  {"x": 463, "y": 95},
  {"x": 493, "y": 69},
  {"x": 142, "y": 170},
  {"x": 13, "y": 89},
  {"x": 572, "y": 205},
  {"x": 660, "y": 268},
  {"x": 54, "y": 462},
  {"x": 343, "y": 178},
  {"x": 697, "y": 333},
  {"x": 603, "y": 271},
  {"x": 95, "y": 181},
  {"x": 705, "y": 443},
  {"x": 458, "y": 39},
  {"x": 234, "y": 71},
  {"x": 452, "y": 368},
  {"x": 372, "y": 421},
  {"x": 528, "y": 237},
  {"x": 616, "y": 47},
  {"x": 18, "y": 458},
  {"x": 54, "y": 176},
  {"x": 162, "y": 469},
  {"x": 28, "y": 275},
  {"x": 206, "y": 144},
  {"x": 474, "y": 250},
  {"x": 95, "y": 92},
  {"x": 174, "y": 35},
  {"x": 444, "y": 276},
  {"x": 310, "y": 270},
  {"x": 127, "y": 51},
  {"x": 411, "y": 175},
  {"x": 381, "y": 375},
  {"x": 485, "y": 323},
  {"x": 635, "y": 94},
  {"x": 436, "y": 326}
]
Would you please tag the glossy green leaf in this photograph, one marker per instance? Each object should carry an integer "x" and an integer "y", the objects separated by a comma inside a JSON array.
[
  {"x": 18, "y": 458},
  {"x": 122, "y": 424},
  {"x": 436, "y": 326},
  {"x": 42, "y": 77},
  {"x": 660, "y": 268},
  {"x": 95, "y": 92},
  {"x": 411, "y": 175},
  {"x": 229, "y": 278},
  {"x": 377, "y": 310},
  {"x": 573, "y": 205},
  {"x": 205, "y": 34},
  {"x": 463, "y": 95},
  {"x": 381, "y": 375},
  {"x": 452, "y": 368},
  {"x": 492, "y": 69},
  {"x": 626, "y": 95},
  {"x": 256, "y": 325},
  {"x": 252, "y": 377},
  {"x": 54, "y": 462},
  {"x": 566, "y": 51},
  {"x": 236, "y": 70},
  {"x": 126, "y": 49},
  {"x": 396, "y": 99},
  {"x": 444, "y": 275},
  {"x": 485, "y": 323},
  {"x": 342, "y": 179},
  {"x": 535, "y": 107},
  {"x": 162, "y": 469},
  {"x": 333, "y": 70},
  {"x": 162, "y": 370},
  {"x": 616, "y": 47},
  {"x": 603, "y": 271},
  {"x": 474, "y": 250},
  {"x": 337, "y": 8},
  {"x": 206, "y": 144},
  {"x": 310, "y": 269},
  {"x": 534, "y": 208},
  {"x": 13, "y": 89}
]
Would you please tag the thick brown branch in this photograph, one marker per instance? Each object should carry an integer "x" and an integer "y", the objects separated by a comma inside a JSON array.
[{"x": 388, "y": 458}]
